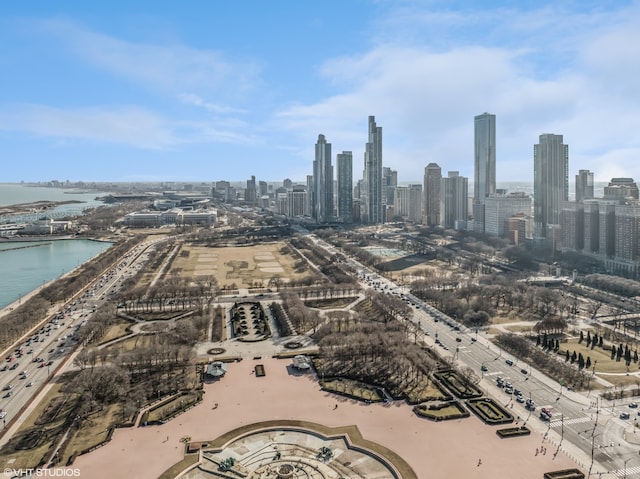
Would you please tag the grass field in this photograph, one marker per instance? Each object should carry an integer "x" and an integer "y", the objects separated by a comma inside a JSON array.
[
  {"x": 605, "y": 364},
  {"x": 32, "y": 457},
  {"x": 93, "y": 431},
  {"x": 115, "y": 331},
  {"x": 244, "y": 267}
]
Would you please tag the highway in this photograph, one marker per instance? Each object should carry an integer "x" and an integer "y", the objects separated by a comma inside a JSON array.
[{"x": 52, "y": 341}]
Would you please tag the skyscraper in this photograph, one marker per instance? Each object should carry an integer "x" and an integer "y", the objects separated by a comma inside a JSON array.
[
  {"x": 484, "y": 180},
  {"x": 344, "y": 165},
  {"x": 584, "y": 185},
  {"x": 322, "y": 182},
  {"x": 455, "y": 191},
  {"x": 432, "y": 185},
  {"x": 550, "y": 182},
  {"x": 371, "y": 196}
]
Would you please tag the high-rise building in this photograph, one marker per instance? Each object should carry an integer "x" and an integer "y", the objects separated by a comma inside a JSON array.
[
  {"x": 584, "y": 185},
  {"x": 389, "y": 184},
  {"x": 500, "y": 207},
  {"x": 371, "y": 203},
  {"x": 550, "y": 182},
  {"x": 573, "y": 225},
  {"x": 408, "y": 202},
  {"x": 344, "y": 165},
  {"x": 484, "y": 181},
  {"x": 322, "y": 182},
  {"x": 621, "y": 188},
  {"x": 432, "y": 185},
  {"x": 250, "y": 193},
  {"x": 455, "y": 209}
]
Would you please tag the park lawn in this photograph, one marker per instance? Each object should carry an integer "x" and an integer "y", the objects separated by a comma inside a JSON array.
[
  {"x": 116, "y": 331},
  {"x": 352, "y": 388},
  {"x": 604, "y": 365},
  {"x": 131, "y": 343},
  {"x": 165, "y": 410},
  {"x": 445, "y": 411},
  {"x": 331, "y": 303},
  {"x": 93, "y": 431},
  {"x": 425, "y": 391},
  {"x": 239, "y": 265},
  {"x": 32, "y": 457},
  {"x": 518, "y": 328}
]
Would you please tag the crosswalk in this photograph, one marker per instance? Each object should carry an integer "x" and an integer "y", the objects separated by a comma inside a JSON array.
[
  {"x": 575, "y": 420},
  {"x": 629, "y": 472}
]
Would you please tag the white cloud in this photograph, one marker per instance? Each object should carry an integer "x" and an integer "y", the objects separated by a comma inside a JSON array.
[
  {"x": 127, "y": 125},
  {"x": 196, "y": 100},
  {"x": 172, "y": 67},
  {"x": 425, "y": 97}
]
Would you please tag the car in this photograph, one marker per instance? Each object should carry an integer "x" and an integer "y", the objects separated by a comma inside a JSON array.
[
  {"x": 15, "y": 366},
  {"x": 29, "y": 384},
  {"x": 4, "y": 368},
  {"x": 520, "y": 399},
  {"x": 8, "y": 387},
  {"x": 3, "y": 414},
  {"x": 517, "y": 392},
  {"x": 633, "y": 405},
  {"x": 624, "y": 415},
  {"x": 509, "y": 362},
  {"x": 524, "y": 371},
  {"x": 473, "y": 340},
  {"x": 484, "y": 368},
  {"x": 458, "y": 340},
  {"x": 8, "y": 395}
]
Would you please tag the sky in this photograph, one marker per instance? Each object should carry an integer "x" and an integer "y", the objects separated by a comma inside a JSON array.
[{"x": 214, "y": 90}]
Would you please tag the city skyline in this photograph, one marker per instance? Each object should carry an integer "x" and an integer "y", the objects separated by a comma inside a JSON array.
[{"x": 97, "y": 92}]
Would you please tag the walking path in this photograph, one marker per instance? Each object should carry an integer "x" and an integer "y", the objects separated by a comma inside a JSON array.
[{"x": 432, "y": 449}]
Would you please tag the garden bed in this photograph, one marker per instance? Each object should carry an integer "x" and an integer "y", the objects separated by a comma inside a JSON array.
[
  {"x": 352, "y": 389},
  {"x": 513, "y": 432},
  {"x": 489, "y": 411},
  {"x": 461, "y": 389},
  {"x": 565, "y": 474},
  {"x": 441, "y": 411}
]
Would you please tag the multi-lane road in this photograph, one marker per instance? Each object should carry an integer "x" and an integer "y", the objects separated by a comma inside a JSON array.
[{"x": 589, "y": 429}]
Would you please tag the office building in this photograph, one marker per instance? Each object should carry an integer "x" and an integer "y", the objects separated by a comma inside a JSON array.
[
  {"x": 408, "y": 203},
  {"x": 484, "y": 181},
  {"x": 344, "y": 165},
  {"x": 455, "y": 192},
  {"x": 432, "y": 193},
  {"x": 550, "y": 182},
  {"x": 584, "y": 185},
  {"x": 621, "y": 188},
  {"x": 500, "y": 207}
]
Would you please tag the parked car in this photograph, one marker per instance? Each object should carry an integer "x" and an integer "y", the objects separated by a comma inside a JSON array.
[
  {"x": 509, "y": 362},
  {"x": 633, "y": 405},
  {"x": 624, "y": 415}
]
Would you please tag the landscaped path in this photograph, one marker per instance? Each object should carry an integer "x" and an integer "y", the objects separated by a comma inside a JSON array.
[{"x": 434, "y": 450}]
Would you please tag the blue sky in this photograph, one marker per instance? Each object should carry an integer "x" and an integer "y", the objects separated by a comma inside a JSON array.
[{"x": 210, "y": 90}]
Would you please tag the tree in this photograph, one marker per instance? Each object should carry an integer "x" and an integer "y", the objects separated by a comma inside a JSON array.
[
  {"x": 581, "y": 337},
  {"x": 587, "y": 364},
  {"x": 567, "y": 356}
]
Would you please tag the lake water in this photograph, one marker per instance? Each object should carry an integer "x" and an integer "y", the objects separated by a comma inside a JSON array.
[
  {"x": 15, "y": 193},
  {"x": 24, "y": 266}
]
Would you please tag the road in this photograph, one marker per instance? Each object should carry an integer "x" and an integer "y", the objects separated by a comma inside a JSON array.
[{"x": 590, "y": 431}]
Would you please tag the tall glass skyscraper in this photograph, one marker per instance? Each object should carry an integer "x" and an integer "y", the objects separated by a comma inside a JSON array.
[
  {"x": 371, "y": 204},
  {"x": 484, "y": 180},
  {"x": 344, "y": 164},
  {"x": 322, "y": 182},
  {"x": 550, "y": 182}
]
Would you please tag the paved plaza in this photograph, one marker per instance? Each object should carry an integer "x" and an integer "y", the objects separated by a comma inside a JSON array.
[{"x": 460, "y": 448}]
